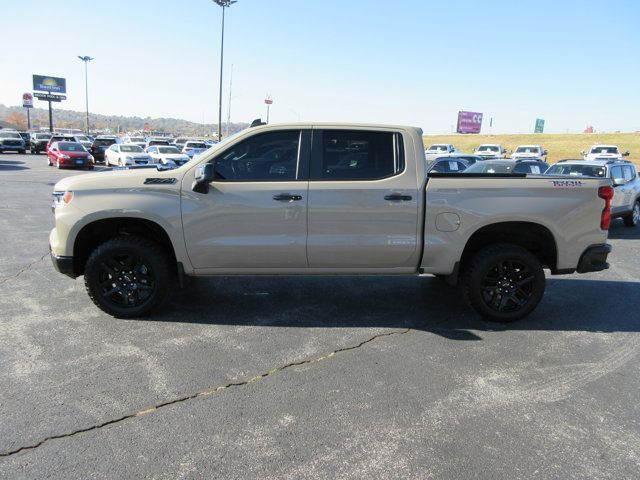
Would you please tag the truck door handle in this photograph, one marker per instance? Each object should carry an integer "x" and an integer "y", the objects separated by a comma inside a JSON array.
[
  {"x": 397, "y": 197},
  {"x": 286, "y": 197}
]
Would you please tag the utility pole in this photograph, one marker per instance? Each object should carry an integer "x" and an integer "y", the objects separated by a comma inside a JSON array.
[
  {"x": 224, "y": 4},
  {"x": 268, "y": 101},
  {"x": 229, "y": 102},
  {"x": 86, "y": 59}
]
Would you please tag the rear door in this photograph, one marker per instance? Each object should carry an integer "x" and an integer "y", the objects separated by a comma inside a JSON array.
[
  {"x": 363, "y": 201},
  {"x": 254, "y": 215}
]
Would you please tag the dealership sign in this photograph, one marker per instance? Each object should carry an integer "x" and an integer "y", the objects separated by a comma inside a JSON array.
[
  {"x": 469, "y": 122},
  {"x": 27, "y": 100},
  {"x": 49, "y": 84},
  {"x": 539, "y": 125}
]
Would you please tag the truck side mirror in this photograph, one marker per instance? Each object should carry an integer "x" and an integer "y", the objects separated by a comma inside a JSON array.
[
  {"x": 582, "y": 153},
  {"x": 544, "y": 152},
  {"x": 204, "y": 175},
  {"x": 626, "y": 154}
]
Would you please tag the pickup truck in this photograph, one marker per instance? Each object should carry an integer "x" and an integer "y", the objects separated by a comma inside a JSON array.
[
  {"x": 325, "y": 199},
  {"x": 440, "y": 150},
  {"x": 604, "y": 152},
  {"x": 490, "y": 150}
]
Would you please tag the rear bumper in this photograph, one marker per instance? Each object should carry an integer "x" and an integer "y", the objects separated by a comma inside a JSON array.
[
  {"x": 63, "y": 265},
  {"x": 594, "y": 259}
]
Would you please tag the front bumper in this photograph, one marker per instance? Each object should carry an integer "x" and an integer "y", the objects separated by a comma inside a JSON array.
[
  {"x": 63, "y": 265},
  {"x": 594, "y": 259}
]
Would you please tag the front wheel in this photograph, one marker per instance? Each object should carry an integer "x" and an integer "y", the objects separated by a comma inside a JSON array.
[
  {"x": 633, "y": 218},
  {"x": 127, "y": 276},
  {"x": 504, "y": 282}
]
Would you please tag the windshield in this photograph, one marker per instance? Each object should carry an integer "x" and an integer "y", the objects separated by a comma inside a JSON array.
[
  {"x": 10, "y": 135},
  {"x": 438, "y": 148},
  {"x": 81, "y": 138},
  {"x": 197, "y": 145},
  {"x": 527, "y": 150},
  {"x": 488, "y": 148},
  {"x": 71, "y": 147},
  {"x": 168, "y": 150},
  {"x": 604, "y": 150},
  {"x": 577, "y": 170},
  {"x": 43, "y": 136},
  {"x": 130, "y": 149},
  {"x": 137, "y": 139},
  {"x": 490, "y": 167}
]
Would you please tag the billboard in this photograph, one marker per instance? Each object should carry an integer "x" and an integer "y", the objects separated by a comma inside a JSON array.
[
  {"x": 27, "y": 100},
  {"x": 49, "y": 84},
  {"x": 539, "y": 125},
  {"x": 469, "y": 122}
]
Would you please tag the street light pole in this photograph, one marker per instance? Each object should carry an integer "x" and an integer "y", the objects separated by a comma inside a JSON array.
[
  {"x": 224, "y": 4},
  {"x": 86, "y": 59}
]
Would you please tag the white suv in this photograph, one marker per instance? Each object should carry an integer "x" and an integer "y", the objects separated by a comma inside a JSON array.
[
  {"x": 604, "y": 152},
  {"x": 490, "y": 150},
  {"x": 623, "y": 175}
]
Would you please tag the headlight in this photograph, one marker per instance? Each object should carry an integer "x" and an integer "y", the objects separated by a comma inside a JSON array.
[
  {"x": 129, "y": 157},
  {"x": 60, "y": 199},
  {"x": 66, "y": 157}
]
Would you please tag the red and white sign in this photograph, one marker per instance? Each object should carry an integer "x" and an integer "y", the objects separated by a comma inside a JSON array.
[
  {"x": 27, "y": 100},
  {"x": 469, "y": 122},
  {"x": 268, "y": 100}
]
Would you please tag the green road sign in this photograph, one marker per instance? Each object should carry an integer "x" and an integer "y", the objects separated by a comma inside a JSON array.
[{"x": 539, "y": 126}]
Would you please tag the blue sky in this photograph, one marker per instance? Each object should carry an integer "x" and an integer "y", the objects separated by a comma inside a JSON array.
[{"x": 573, "y": 63}]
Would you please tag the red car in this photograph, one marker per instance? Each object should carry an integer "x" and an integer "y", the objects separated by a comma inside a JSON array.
[{"x": 69, "y": 154}]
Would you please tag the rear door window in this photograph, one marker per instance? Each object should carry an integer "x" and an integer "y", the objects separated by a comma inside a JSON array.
[{"x": 356, "y": 155}]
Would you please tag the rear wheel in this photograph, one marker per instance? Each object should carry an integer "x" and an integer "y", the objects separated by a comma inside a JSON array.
[
  {"x": 49, "y": 160},
  {"x": 504, "y": 282},
  {"x": 633, "y": 218},
  {"x": 127, "y": 276}
]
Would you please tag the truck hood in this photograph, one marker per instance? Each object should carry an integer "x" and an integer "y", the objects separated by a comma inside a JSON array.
[{"x": 116, "y": 179}]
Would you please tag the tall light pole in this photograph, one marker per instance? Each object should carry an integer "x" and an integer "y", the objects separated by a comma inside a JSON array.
[
  {"x": 86, "y": 59},
  {"x": 224, "y": 4}
]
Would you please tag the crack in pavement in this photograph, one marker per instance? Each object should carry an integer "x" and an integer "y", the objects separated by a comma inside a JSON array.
[
  {"x": 4, "y": 280},
  {"x": 204, "y": 393}
]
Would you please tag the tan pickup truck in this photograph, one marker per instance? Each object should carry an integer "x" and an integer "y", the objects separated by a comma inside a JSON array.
[{"x": 326, "y": 199}]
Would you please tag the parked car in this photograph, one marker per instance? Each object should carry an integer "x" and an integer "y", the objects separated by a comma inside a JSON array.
[
  {"x": 84, "y": 140},
  {"x": 38, "y": 142},
  {"x": 123, "y": 154},
  {"x": 167, "y": 155},
  {"x": 26, "y": 138},
  {"x": 194, "y": 148},
  {"x": 69, "y": 154},
  {"x": 440, "y": 150},
  {"x": 490, "y": 150},
  {"x": 603, "y": 152},
  {"x": 179, "y": 142},
  {"x": 502, "y": 166},
  {"x": 529, "y": 151},
  {"x": 278, "y": 200},
  {"x": 157, "y": 141},
  {"x": 100, "y": 145},
  {"x": 623, "y": 175},
  {"x": 446, "y": 165},
  {"x": 59, "y": 137},
  {"x": 11, "y": 141},
  {"x": 140, "y": 141}
]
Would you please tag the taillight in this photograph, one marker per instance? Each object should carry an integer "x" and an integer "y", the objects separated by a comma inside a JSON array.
[{"x": 606, "y": 193}]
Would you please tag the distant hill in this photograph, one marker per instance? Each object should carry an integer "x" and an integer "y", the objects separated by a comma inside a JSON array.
[{"x": 15, "y": 115}]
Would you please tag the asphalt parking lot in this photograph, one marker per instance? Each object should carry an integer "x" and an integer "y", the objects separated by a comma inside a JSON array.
[{"x": 309, "y": 377}]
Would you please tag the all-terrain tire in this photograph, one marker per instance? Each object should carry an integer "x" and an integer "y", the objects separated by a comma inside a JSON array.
[
  {"x": 633, "y": 218},
  {"x": 504, "y": 282},
  {"x": 128, "y": 276}
]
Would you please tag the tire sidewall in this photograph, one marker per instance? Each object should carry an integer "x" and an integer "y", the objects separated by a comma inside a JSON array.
[{"x": 151, "y": 257}]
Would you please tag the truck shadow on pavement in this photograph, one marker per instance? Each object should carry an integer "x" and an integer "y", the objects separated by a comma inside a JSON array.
[
  {"x": 396, "y": 302},
  {"x": 619, "y": 232},
  {"x": 6, "y": 165}
]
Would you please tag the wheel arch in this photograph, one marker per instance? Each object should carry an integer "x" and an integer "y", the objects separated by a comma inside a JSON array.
[
  {"x": 99, "y": 231},
  {"x": 532, "y": 236}
]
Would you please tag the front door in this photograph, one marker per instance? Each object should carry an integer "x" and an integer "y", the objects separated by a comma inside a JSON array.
[
  {"x": 363, "y": 202},
  {"x": 254, "y": 215}
]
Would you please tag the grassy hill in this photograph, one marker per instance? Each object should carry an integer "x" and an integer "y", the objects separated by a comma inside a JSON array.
[{"x": 559, "y": 146}]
